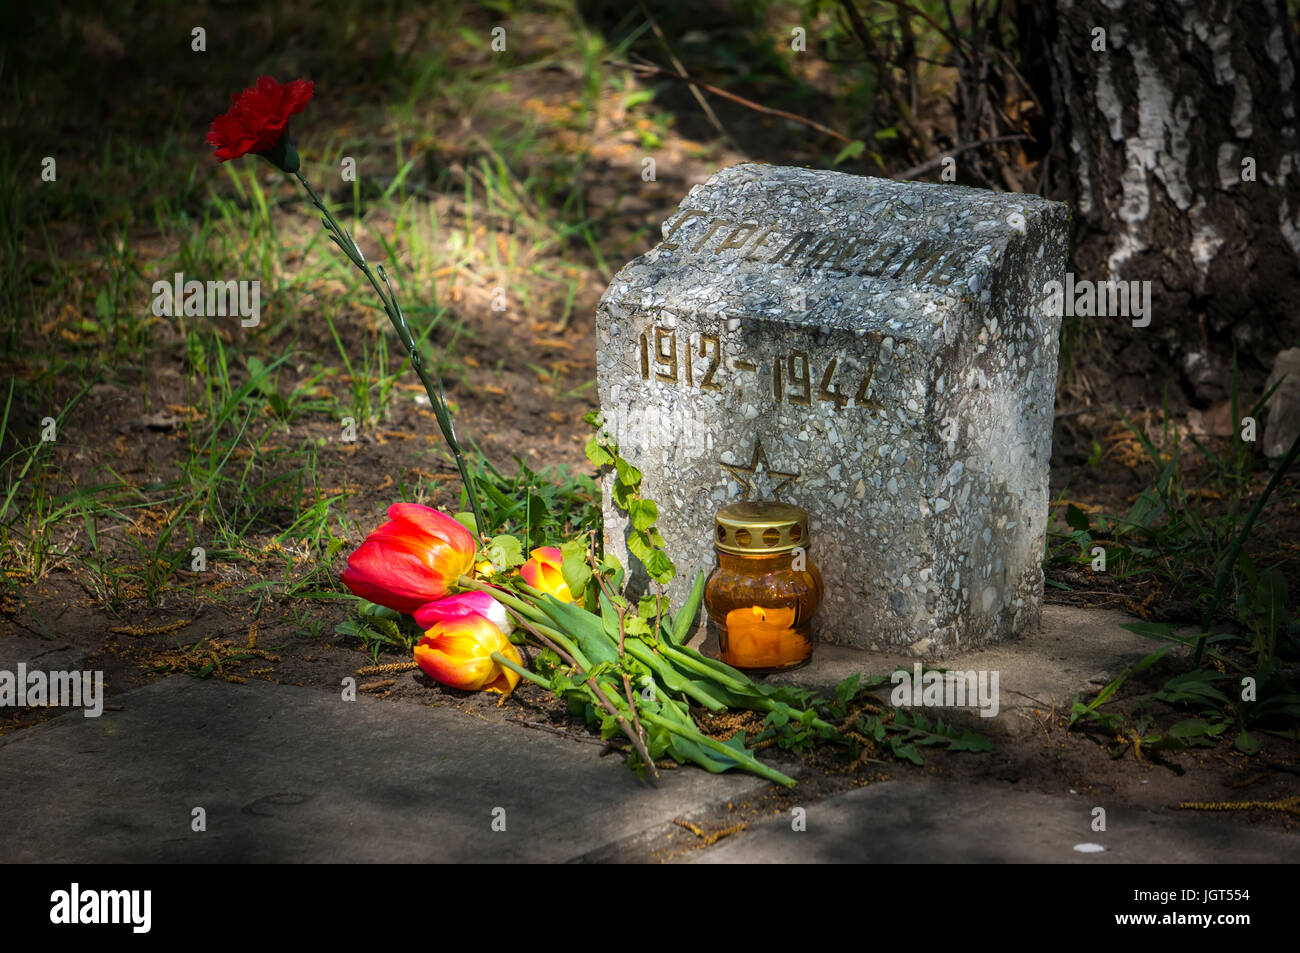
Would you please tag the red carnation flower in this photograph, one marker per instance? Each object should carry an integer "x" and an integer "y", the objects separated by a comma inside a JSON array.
[{"x": 258, "y": 122}]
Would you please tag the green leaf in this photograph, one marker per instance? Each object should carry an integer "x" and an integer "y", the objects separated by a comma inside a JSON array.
[
  {"x": 1139, "y": 666},
  {"x": 659, "y": 567},
  {"x": 644, "y": 514},
  {"x": 505, "y": 551},
  {"x": 1076, "y": 518},
  {"x": 597, "y": 453},
  {"x": 467, "y": 520},
  {"x": 846, "y": 689},
  {"x": 637, "y": 98},
  {"x": 608, "y": 618},
  {"x": 373, "y": 610},
  {"x": 575, "y": 569},
  {"x": 639, "y": 545},
  {"x": 628, "y": 475},
  {"x": 1247, "y": 743},
  {"x": 685, "y": 617},
  {"x": 611, "y": 567},
  {"x": 851, "y": 151},
  {"x": 1189, "y": 728},
  {"x": 624, "y": 495},
  {"x": 1152, "y": 630},
  {"x": 907, "y": 752},
  {"x": 586, "y": 628},
  {"x": 1196, "y": 686},
  {"x": 260, "y": 377}
]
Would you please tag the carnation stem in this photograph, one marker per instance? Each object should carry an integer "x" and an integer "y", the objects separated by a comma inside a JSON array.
[{"x": 437, "y": 398}]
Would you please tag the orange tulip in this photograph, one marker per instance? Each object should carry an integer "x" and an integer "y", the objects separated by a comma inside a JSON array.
[
  {"x": 411, "y": 560},
  {"x": 543, "y": 572},
  {"x": 458, "y": 653}
]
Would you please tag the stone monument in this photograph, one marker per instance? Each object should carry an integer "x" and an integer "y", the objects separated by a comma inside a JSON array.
[{"x": 877, "y": 352}]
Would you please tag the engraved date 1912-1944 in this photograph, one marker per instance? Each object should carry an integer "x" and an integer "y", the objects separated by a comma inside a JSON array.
[{"x": 799, "y": 377}]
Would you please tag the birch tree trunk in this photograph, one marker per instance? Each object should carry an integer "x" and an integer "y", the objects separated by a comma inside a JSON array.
[{"x": 1174, "y": 137}]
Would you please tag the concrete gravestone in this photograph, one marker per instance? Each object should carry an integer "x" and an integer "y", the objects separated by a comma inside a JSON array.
[{"x": 877, "y": 352}]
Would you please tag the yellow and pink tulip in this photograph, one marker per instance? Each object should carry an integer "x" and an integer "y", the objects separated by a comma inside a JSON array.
[
  {"x": 461, "y": 605},
  {"x": 457, "y": 648}
]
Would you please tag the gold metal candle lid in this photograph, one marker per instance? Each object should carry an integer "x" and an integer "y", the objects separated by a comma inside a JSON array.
[{"x": 760, "y": 528}]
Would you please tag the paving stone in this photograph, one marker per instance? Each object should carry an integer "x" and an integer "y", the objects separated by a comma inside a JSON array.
[
  {"x": 929, "y": 822},
  {"x": 297, "y": 775}
]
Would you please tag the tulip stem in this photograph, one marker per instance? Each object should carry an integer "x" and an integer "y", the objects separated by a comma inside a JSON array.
[
  {"x": 745, "y": 759},
  {"x": 565, "y": 657},
  {"x": 529, "y": 590},
  {"x": 437, "y": 398},
  {"x": 580, "y": 664},
  {"x": 541, "y": 633},
  {"x": 505, "y": 597},
  {"x": 519, "y": 670}
]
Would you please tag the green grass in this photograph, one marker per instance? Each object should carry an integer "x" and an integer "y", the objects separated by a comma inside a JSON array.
[
  {"x": 1245, "y": 656},
  {"x": 1170, "y": 532},
  {"x": 246, "y": 475}
]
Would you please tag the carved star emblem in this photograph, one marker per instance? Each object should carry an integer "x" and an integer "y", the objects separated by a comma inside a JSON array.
[{"x": 756, "y": 477}]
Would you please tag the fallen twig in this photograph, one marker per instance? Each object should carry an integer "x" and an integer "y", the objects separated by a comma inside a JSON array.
[
  {"x": 930, "y": 165},
  {"x": 748, "y": 103}
]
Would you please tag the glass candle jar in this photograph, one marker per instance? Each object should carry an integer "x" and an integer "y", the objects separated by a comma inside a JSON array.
[{"x": 765, "y": 589}]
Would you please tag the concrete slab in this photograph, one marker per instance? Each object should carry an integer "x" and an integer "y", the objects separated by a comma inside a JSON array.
[
  {"x": 289, "y": 774},
  {"x": 297, "y": 775},
  {"x": 927, "y": 822},
  {"x": 46, "y": 655},
  {"x": 1077, "y": 651},
  {"x": 1073, "y": 646}
]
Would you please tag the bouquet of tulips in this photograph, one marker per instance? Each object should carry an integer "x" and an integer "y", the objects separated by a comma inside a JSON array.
[{"x": 623, "y": 665}]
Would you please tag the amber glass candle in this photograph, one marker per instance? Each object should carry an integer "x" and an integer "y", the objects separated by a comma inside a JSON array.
[{"x": 762, "y": 596}]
